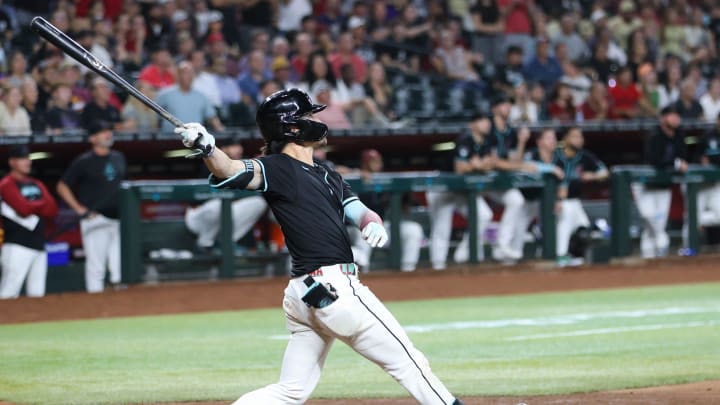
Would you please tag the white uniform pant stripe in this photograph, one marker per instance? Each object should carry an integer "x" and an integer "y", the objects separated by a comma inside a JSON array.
[
  {"x": 101, "y": 243},
  {"x": 22, "y": 264}
]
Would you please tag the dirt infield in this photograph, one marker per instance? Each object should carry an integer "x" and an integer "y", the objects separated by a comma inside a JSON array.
[{"x": 390, "y": 286}]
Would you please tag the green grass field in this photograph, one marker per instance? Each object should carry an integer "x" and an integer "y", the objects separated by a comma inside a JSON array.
[{"x": 524, "y": 344}]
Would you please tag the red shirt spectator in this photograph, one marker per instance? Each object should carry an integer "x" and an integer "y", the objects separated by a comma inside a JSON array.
[
  {"x": 346, "y": 56},
  {"x": 561, "y": 107},
  {"x": 624, "y": 96},
  {"x": 517, "y": 20},
  {"x": 160, "y": 72}
]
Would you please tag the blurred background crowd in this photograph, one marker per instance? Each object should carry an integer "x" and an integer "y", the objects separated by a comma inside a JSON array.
[{"x": 383, "y": 62}]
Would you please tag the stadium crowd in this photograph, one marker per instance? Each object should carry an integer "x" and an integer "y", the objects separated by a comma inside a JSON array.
[{"x": 497, "y": 64}]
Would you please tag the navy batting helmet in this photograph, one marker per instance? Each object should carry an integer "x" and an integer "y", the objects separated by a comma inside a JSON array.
[{"x": 282, "y": 115}]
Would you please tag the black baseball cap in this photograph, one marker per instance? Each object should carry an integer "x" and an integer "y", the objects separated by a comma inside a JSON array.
[
  {"x": 19, "y": 151},
  {"x": 499, "y": 99},
  {"x": 97, "y": 126},
  {"x": 670, "y": 109}
]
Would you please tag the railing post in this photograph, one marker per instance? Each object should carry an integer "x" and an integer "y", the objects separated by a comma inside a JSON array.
[
  {"x": 692, "y": 215},
  {"x": 472, "y": 223},
  {"x": 226, "y": 241},
  {"x": 620, "y": 200},
  {"x": 130, "y": 234},
  {"x": 547, "y": 217},
  {"x": 395, "y": 219}
]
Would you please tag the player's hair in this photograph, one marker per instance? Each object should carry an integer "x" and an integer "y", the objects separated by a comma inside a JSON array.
[{"x": 274, "y": 147}]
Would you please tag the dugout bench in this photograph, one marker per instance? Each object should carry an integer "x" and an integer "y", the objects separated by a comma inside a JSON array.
[{"x": 133, "y": 193}]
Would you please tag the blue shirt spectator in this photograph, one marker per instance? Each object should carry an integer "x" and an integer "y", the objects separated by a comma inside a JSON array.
[
  {"x": 187, "y": 104},
  {"x": 543, "y": 68},
  {"x": 249, "y": 81}
]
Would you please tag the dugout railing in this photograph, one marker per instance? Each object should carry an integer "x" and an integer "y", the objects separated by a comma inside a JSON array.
[{"x": 134, "y": 193}]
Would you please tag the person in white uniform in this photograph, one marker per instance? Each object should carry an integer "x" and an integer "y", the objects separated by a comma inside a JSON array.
[
  {"x": 665, "y": 150},
  {"x": 26, "y": 206},
  {"x": 580, "y": 167},
  {"x": 204, "y": 220},
  {"x": 411, "y": 232},
  {"x": 472, "y": 155}
]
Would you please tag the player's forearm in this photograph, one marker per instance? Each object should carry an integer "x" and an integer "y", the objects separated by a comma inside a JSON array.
[
  {"x": 221, "y": 166},
  {"x": 359, "y": 214},
  {"x": 67, "y": 195}
]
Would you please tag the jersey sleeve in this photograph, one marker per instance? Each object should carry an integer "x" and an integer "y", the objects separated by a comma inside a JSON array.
[
  {"x": 463, "y": 149},
  {"x": 591, "y": 163},
  {"x": 278, "y": 176},
  {"x": 73, "y": 173}
]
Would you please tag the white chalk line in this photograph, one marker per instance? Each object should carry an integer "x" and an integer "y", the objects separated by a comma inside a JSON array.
[
  {"x": 622, "y": 329},
  {"x": 564, "y": 319}
]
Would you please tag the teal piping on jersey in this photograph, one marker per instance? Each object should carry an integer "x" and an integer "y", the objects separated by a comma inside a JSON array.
[
  {"x": 500, "y": 136},
  {"x": 354, "y": 210},
  {"x": 262, "y": 169}
]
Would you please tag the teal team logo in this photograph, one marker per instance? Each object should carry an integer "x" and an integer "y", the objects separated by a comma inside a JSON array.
[{"x": 110, "y": 173}]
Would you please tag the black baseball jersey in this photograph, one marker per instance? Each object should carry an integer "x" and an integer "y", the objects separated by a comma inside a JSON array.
[
  {"x": 662, "y": 150},
  {"x": 308, "y": 202},
  {"x": 96, "y": 179},
  {"x": 574, "y": 167},
  {"x": 710, "y": 147},
  {"x": 466, "y": 147},
  {"x": 502, "y": 142}
]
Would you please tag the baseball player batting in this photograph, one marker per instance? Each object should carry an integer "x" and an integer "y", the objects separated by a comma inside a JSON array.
[{"x": 324, "y": 299}]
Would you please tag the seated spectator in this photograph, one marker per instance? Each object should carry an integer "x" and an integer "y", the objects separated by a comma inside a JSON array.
[
  {"x": 316, "y": 70},
  {"x": 539, "y": 97},
  {"x": 229, "y": 90},
  {"x": 30, "y": 95},
  {"x": 61, "y": 116},
  {"x": 649, "y": 104},
  {"x": 523, "y": 110},
  {"x": 710, "y": 102},
  {"x": 333, "y": 116},
  {"x": 88, "y": 40},
  {"x": 601, "y": 66},
  {"x": 290, "y": 13},
  {"x": 625, "y": 22},
  {"x": 687, "y": 106},
  {"x": 624, "y": 95},
  {"x": 14, "y": 120},
  {"x": 281, "y": 72},
  {"x": 129, "y": 41},
  {"x": 364, "y": 46},
  {"x": 186, "y": 104},
  {"x": 561, "y": 105},
  {"x": 100, "y": 109},
  {"x": 453, "y": 61},
  {"x": 344, "y": 55},
  {"x": 249, "y": 81},
  {"x": 160, "y": 73},
  {"x": 518, "y": 22},
  {"x": 487, "y": 24},
  {"x": 638, "y": 52},
  {"x": 204, "y": 81},
  {"x": 670, "y": 85},
  {"x": 380, "y": 91},
  {"x": 416, "y": 34},
  {"x": 18, "y": 70},
  {"x": 578, "y": 83},
  {"x": 303, "y": 50},
  {"x": 360, "y": 108},
  {"x": 510, "y": 73},
  {"x": 70, "y": 75},
  {"x": 597, "y": 105},
  {"x": 697, "y": 36},
  {"x": 577, "y": 49},
  {"x": 136, "y": 115},
  {"x": 673, "y": 34},
  {"x": 543, "y": 68},
  {"x": 695, "y": 75}
]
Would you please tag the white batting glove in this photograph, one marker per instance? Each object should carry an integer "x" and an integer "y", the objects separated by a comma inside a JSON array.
[
  {"x": 196, "y": 137},
  {"x": 375, "y": 234}
]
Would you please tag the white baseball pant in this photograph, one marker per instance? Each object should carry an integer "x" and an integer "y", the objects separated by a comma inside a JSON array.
[
  {"x": 513, "y": 225},
  {"x": 571, "y": 217},
  {"x": 708, "y": 209},
  {"x": 442, "y": 205},
  {"x": 654, "y": 208},
  {"x": 204, "y": 220},
  {"x": 101, "y": 243},
  {"x": 411, "y": 237},
  {"x": 22, "y": 264},
  {"x": 360, "y": 320}
]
